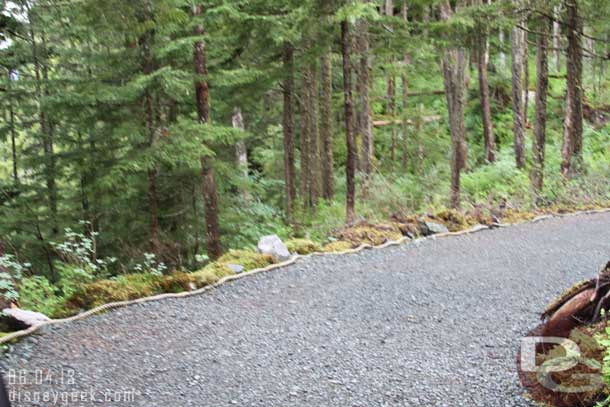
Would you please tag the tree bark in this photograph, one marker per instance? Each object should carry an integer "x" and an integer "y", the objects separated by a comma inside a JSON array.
[
  {"x": 210, "y": 197},
  {"x": 502, "y": 53},
  {"x": 314, "y": 135},
  {"x": 517, "y": 87},
  {"x": 364, "y": 85},
  {"x": 453, "y": 66},
  {"x": 41, "y": 74},
  {"x": 556, "y": 38},
  {"x": 391, "y": 89},
  {"x": 482, "y": 61},
  {"x": 11, "y": 118},
  {"x": 49, "y": 143},
  {"x": 526, "y": 72},
  {"x": 349, "y": 130},
  {"x": 305, "y": 141},
  {"x": 542, "y": 83},
  {"x": 288, "y": 130},
  {"x": 145, "y": 44},
  {"x": 241, "y": 152},
  {"x": 405, "y": 96},
  {"x": 326, "y": 131},
  {"x": 573, "y": 126}
]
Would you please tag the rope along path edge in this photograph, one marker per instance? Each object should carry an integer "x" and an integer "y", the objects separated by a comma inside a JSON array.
[{"x": 477, "y": 228}]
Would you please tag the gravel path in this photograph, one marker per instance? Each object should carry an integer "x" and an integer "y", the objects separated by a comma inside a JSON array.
[{"x": 430, "y": 324}]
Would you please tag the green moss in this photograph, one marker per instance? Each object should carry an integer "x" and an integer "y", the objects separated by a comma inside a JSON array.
[
  {"x": 217, "y": 269},
  {"x": 302, "y": 246},
  {"x": 370, "y": 234},
  {"x": 178, "y": 282},
  {"x": 248, "y": 259},
  {"x": 338, "y": 246},
  {"x": 454, "y": 220},
  {"x": 209, "y": 276}
]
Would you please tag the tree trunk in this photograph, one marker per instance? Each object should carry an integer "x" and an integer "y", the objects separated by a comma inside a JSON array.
[
  {"x": 517, "y": 86},
  {"x": 364, "y": 84},
  {"x": 488, "y": 136},
  {"x": 573, "y": 127},
  {"x": 41, "y": 73},
  {"x": 314, "y": 135},
  {"x": 391, "y": 89},
  {"x": 149, "y": 124},
  {"x": 405, "y": 95},
  {"x": 526, "y": 72},
  {"x": 288, "y": 130},
  {"x": 49, "y": 142},
  {"x": 210, "y": 197},
  {"x": 453, "y": 66},
  {"x": 326, "y": 131},
  {"x": 542, "y": 83},
  {"x": 11, "y": 118},
  {"x": 305, "y": 141},
  {"x": 349, "y": 130},
  {"x": 502, "y": 53},
  {"x": 557, "y": 38},
  {"x": 241, "y": 152}
]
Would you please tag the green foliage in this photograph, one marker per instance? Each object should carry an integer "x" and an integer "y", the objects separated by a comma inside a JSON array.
[
  {"x": 37, "y": 293},
  {"x": 493, "y": 183},
  {"x": 11, "y": 272}
]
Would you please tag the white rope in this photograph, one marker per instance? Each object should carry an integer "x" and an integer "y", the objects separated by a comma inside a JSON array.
[{"x": 477, "y": 228}]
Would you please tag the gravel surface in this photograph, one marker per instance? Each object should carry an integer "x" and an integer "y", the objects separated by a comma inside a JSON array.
[{"x": 434, "y": 323}]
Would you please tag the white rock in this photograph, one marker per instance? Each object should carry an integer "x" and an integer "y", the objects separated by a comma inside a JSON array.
[
  {"x": 28, "y": 318},
  {"x": 274, "y": 246},
  {"x": 236, "y": 268}
]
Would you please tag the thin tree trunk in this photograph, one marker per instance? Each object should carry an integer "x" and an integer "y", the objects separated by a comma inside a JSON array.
[
  {"x": 526, "y": 73},
  {"x": 364, "y": 84},
  {"x": 326, "y": 131},
  {"x": 40, "y": 60},
  {"x": 557, "y": 38},
  {"x": 517, "y": 86},
  {"x": 149, "y": 124},
  {"x": 210, "y": 197},
  {"x": 241, "y": 152},
  {"x": 50, "y": 140},
  {"x": 488, "y": 136},
  {"x": 502, "y": 53},
  {"x": 11, "y": 115},
  {"x": 405, "y": 95},
  {"x": 288, "y": 130},
  {"x": 305, "y": 141},
  {"x": 391, "y": 89},
  {"x": 542, "y": 83},
  {"x": 314, "y": 145},
  {"x": 349, "y": 130},
  {"x": 573, "y": 127},
  {"x": 453, "y": 66}
]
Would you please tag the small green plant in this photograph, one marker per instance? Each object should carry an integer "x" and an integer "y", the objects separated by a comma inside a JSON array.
[
  {"x": 37, "y": 293},
  {"x": 150, "y": 265},
  {"x": 79, "y": 262},
  {"x": 603, "y": 340},
  {"x": 11, "y": 276}
]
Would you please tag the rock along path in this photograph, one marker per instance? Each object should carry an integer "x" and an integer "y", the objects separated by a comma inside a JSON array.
[{"x": 435, "y": 323}]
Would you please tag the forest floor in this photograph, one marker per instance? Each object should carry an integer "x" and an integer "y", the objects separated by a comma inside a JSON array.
[{"x": 434, "y": 323}]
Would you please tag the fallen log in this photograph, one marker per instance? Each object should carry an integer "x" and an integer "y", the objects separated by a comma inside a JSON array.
[{"x": 568, "y": 358}]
